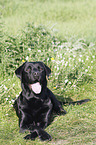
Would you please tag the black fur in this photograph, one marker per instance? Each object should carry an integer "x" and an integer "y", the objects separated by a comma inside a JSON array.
[{"x": 34, "y": 110}]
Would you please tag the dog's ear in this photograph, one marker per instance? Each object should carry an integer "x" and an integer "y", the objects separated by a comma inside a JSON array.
[
  {"x": 19, "y": 70},
  {"x": 47, "y": 69}
]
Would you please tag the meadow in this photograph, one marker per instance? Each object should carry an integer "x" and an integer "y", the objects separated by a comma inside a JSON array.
[{"x": 61, "y": 33}]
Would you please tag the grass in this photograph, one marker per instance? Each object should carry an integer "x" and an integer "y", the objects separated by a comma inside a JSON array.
[
  {"x": 68, "y": 48},
  {"x": 69, "y": 18}
]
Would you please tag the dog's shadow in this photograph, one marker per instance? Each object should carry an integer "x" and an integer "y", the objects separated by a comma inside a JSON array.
[{"x": 64, "y": 102}]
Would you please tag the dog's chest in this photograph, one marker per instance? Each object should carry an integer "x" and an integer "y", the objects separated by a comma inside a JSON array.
[{"x": 36, "y": 106}]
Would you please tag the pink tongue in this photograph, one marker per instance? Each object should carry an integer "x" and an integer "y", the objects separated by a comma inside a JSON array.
[{"x": 36, "y": 88}]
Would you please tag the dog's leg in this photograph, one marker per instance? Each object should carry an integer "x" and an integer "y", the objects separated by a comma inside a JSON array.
[
  {"x": 37, "y": 131},
  {"x": 31, "y": 136},
  {"x": 56, "y": 104},
  {"x": 43, "y": 135}
]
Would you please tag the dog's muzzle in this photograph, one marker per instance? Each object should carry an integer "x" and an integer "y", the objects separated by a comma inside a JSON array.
[{"x": 36, "y": 75}]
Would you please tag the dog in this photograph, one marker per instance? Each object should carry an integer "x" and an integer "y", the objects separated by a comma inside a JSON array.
[{"x": 36, "y": 102}]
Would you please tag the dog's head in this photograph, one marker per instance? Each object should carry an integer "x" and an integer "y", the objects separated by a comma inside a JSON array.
[{"x": 33, "y": 75}]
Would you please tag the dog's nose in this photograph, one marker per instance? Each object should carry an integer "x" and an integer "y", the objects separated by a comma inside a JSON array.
[{"x": 35, "y": 74}]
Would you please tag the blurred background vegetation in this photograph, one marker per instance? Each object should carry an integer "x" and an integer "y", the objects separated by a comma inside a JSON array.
[{"x": 73, "y": 18}]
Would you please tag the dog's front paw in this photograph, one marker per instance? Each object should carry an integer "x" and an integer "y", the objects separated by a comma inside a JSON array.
[
  {"x": 45, "y": 136},
  {"x": 27, "y": 137},
  {"x": 31, "y": 136}
]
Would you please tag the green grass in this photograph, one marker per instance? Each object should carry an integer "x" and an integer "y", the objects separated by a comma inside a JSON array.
[{"x": 28, "y": 32}]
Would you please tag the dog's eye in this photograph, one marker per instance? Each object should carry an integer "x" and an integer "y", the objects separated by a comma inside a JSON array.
[
  {"x": 28, "y": 69},
  {"x": 40, "y": 68}
]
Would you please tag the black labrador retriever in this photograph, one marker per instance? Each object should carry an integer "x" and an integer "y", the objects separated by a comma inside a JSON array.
[{"x": 36, "y": 102}]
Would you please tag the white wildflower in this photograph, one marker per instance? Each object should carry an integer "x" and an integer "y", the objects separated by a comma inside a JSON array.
[
  {"x": 66, "y": 81},
  {"x": 74, "y": 56},
  {"x": 6, "y": 99},
  {"x": 12, "y": 100},
  {"x": 93, "y": 56},
  {"x": 70, "y": 83},
  {"x": 5, "y": 87},
  {"x": 57, "y": 68},
  {"x": 79, "y": 59},
  {"x": 48, "y": 59},
  {"x": 39, "y": 50},
  {"x": 66, "y": 63},
  {"x": 29, "y": 49},
  {"x": 80, "y": 55},
  {"x": 16, "y": 96},
  {"x": 86, "y": 70},
  {"x": 27, "y": 58}
]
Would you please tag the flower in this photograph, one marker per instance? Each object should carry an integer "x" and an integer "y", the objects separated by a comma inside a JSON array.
[
  {"x": 93, "y": 56},
  {"x": 13, "y": 85},
  {"x": 48, "y": 59},
  {"x": 54, "y": 87},
  {"x": 13, "y": 100},
  {"x": 52, "y": 58},
  {"x": 86, "y": 70},
  {"x": 74, "y": 55},
  {"x": 66, "y": 81},
  {"x": 5, "y": 87},
  {"x": 70, "y": 83},
  {"x": 66, "y": 63},
  {"x": 6, "y": 99},
  {"x": 79, "y": 59},
  {"x": 29, "y": 49},
  {"x": 27, "y": 58},
  {"x": 39, "y": 50},
  {"x": 23, "y": 60},
  {"x": 80, "y": 55},
  {"x": 16, "y": 96}
]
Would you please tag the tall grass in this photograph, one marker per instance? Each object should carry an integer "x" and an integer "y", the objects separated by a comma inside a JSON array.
[{"x": 69, "y": 18}]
